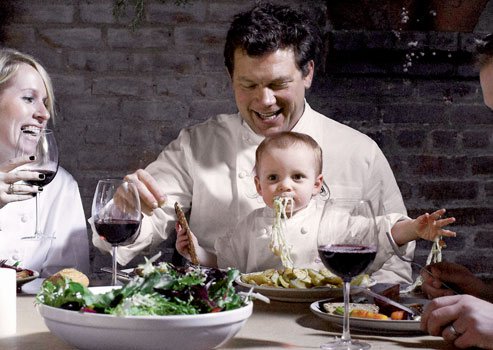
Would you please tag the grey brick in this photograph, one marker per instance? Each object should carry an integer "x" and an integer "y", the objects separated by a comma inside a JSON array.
[
  {"x": 140, "y": 38},
  {"x": 72, "y": 37}
]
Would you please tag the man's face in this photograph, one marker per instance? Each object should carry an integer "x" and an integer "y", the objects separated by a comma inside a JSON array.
[
  {"x": 270, "y": 90},
  {"x": 486, "y": 79}
]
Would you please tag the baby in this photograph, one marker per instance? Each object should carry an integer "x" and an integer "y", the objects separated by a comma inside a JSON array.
[{"x": 288, "y": 168}]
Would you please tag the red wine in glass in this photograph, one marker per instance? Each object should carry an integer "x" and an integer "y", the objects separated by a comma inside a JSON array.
[
  {"x": 116, "y": 214},
  {"x": 347, "y": 260},
  {"x": 347, "y": 244},
  {"x": 117, "y": 231},
  {"x": 40, "y": 143},
  {"x": 49, "y": 176}
]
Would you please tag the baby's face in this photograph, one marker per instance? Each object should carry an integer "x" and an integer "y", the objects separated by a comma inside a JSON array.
[{"x": 288, "y": 172}]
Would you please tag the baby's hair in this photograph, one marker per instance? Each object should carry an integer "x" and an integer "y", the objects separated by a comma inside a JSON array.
[{"x": 287, "y": 139}]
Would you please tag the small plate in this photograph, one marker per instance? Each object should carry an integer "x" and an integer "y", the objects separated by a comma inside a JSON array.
[
  {"x": 373, "y": 326},
  {"x": 22, "y": 281}
]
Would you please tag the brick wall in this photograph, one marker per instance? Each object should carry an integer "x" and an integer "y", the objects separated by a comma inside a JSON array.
[{"x": 122, "y": 95}]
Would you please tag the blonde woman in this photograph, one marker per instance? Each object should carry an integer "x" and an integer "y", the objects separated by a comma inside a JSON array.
[{"x": 27, "y": 101}]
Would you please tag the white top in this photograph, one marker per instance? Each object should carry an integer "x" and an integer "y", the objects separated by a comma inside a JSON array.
[
  {"x": 247, "y": 247},
  {"x": 61, "y": 214},
  {"x": 211, "y": 165}
]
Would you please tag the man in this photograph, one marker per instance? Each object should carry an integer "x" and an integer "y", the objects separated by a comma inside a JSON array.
[
  {"x": 466, "y": 320},
  {"x": 270, "y": 55}
]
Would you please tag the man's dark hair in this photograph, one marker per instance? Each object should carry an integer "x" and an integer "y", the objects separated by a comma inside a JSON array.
[
  {"x": 267, "y": 28},
  {"x": 484, "y": 48}
]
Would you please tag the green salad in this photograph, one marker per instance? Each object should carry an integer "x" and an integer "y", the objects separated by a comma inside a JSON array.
[{"x": 162, "y": 289}]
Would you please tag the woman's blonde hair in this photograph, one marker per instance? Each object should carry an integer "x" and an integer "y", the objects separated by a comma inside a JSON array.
[{"x": 11, "y": 59}]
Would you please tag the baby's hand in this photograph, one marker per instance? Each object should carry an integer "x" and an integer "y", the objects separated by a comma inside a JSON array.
[
  {"x": 182, "y": 241},
  {"x": 429, "y": 226}
]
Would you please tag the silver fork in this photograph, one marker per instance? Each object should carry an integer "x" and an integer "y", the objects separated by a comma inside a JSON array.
[{"x": 421, "y": 267}]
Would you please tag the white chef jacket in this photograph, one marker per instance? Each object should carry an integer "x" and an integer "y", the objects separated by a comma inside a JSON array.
[
  {"x": 60, "y": 214},
  {"x": 210, "y": 166},
  {"x": 246, "y": 248}
]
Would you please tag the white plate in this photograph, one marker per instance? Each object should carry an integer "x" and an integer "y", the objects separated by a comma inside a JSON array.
[
  {"x": 107, "y": 332},
  {"x": 295, "y": 295},
  {"x": 24, "y": 280},
  {"x": 374, "y": 326}
]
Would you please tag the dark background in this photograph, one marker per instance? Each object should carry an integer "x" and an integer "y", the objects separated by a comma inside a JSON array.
[{"x": 123, "y": 94}]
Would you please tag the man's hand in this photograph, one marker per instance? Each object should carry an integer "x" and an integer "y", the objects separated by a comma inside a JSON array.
[{"x": 151, "y": 196}]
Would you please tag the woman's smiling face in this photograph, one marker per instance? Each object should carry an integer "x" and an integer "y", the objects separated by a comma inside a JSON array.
[
  {"x": 22, "y": 104},
  {"x": 270, "y": 90}
]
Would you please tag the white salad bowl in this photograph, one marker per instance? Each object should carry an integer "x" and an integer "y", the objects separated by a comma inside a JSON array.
[{"x": 98, "y": 331}]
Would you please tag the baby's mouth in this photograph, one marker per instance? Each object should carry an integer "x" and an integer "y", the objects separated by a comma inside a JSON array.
[{"x": 285, "y": 195}]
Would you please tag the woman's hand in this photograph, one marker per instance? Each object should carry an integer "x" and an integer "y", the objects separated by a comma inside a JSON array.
[
  {"x": 463, "y": 320},
  {"x": 151, "y": 196},
  {"x": 10, "y": 190}
]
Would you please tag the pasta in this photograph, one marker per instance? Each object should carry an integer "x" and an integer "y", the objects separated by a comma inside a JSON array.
[{"x": 278, "y": 244}]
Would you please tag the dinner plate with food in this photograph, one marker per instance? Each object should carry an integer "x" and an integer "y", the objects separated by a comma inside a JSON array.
[
  {"x": 23, "y": 275},
  {"x": 297, "y": 284},
  {"x": 387, "y": 312}
]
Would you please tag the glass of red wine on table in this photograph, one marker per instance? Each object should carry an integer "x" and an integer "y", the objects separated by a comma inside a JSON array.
[
  {"x": 347, "y": 244},
  {"x": 40, "y": 143},
  {"x": 116, "y": 214}
]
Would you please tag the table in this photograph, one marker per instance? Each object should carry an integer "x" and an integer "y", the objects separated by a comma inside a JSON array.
[{"x": 278, "y": 325}]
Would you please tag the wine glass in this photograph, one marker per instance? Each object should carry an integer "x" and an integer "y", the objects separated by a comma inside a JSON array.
[
  {"x": 116, "y": 214},
  {"x": 40, "y": 143},
  {"x": 347, "y": 244}
]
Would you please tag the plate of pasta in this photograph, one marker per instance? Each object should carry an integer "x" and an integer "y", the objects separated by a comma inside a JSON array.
[{"x": 298, "y": 284}]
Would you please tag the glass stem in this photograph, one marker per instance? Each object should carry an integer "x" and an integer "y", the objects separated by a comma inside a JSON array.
[
  {"x": 346, "y": 336},
  {"x": 113, "y": 269},
  {"x": 37, "y": 233}
]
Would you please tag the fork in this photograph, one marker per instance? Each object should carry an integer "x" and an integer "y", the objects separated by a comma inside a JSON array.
[{"x": 421, "y": 267}]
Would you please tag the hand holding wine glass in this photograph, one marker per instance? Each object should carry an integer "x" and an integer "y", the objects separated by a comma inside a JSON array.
[
  {"x": 41, "y": 144},
  {"x": 116, "y": 214},
  {"x": 347, "y": 245}
]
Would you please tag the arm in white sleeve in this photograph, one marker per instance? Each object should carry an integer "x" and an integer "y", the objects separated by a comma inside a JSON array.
[
  {"x": 172, "y": 171},
  {"x": 382, "y": 190}
]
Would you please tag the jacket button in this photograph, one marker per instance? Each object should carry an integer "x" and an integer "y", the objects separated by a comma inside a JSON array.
[
  {"x": 242, "y": 174},
  {"x": 304, "y": 231}
]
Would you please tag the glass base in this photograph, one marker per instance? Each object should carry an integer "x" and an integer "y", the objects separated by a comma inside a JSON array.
[{"x": 339, "y": 344}]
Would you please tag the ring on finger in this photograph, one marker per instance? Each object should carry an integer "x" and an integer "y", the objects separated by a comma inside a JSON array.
[
  {"x": 10, "y": 189},
  {"x": 454, "y": 331}
]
